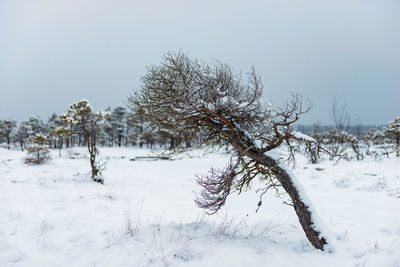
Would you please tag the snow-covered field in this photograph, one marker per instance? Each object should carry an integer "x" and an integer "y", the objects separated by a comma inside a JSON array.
[{"x": 144, "y": 214}]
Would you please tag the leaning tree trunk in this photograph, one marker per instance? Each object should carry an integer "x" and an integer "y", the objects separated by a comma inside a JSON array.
[
  {"x": 303, "y": 211},
  {"x": 248, "y": 149}
]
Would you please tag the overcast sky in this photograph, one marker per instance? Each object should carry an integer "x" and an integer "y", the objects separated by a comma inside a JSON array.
[{"x": 55, "y": 52}]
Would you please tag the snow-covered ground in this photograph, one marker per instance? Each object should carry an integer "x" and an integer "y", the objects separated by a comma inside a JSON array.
[{"x": 144, "y": 214}]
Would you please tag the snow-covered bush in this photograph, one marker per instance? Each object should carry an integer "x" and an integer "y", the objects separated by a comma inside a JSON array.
[
  {"x": 313, "y": 149},
  {"x": 37, "y": 149},
  {"x": 354, "y": 143},
  {"x": 381, "y": 143}
]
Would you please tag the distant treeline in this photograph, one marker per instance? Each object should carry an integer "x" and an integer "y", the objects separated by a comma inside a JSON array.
[
  {"x": 353, "y": 129},
  {"x": 121, "y": 127}
]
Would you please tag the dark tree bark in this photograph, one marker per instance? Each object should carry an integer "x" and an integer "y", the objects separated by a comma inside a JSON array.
[
  {"x": 302, "y": 210},
  {"x": 21, "y": 143}
]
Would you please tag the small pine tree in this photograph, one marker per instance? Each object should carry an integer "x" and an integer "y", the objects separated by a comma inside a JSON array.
[
  {"x": 393, "y": 130},
  {"x": 118, "y": 118},
  {"x": 22, "y": 134},
  {"x": 59, "y": 134},
  {"x": 81, "y": 118},
  {"x": 37, "y": 149},
  {"x": 7, "y": 128}
]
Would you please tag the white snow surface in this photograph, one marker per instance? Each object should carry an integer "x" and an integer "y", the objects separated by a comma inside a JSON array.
[{"x": 144, "y": 214}]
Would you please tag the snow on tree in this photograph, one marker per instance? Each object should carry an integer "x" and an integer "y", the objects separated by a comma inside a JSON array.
[
  {"x": 373, "y": 137},
  {"x": 107, "y": 130},
  {"x": 7, "y": 128},
  {"x": 393, "y": 129},
  {"x": 53, "y": 122},
  {"x": 118, "y": 123},
  {"x": 313, "y": 149},
  {"x": 215, "y": 107},
  {"x": 59, "y": 134},
  {"x": 37, "y": 149},
  {"x": 134, "y": 128},
  {"x": 36, "y": 125},
  {"x": 352, "y": 141},
  {"x": 81, "y": 118},
  {"x": 22, "y": 134}
]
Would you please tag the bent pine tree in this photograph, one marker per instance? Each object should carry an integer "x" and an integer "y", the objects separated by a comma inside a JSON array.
[{"x": 215, "y": 107}]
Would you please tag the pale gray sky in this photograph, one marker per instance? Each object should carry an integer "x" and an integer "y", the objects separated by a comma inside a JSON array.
[{"x": 55, "y": 52}]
